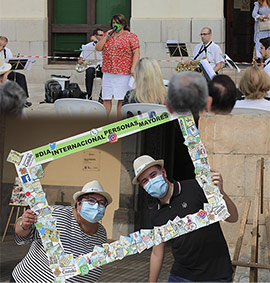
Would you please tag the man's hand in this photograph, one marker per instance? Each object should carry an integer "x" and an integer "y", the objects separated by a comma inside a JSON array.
[
  {"x": 24, "y": 224},
  {"x": 28, "y": 219},
  {"x": 80, "y": 61},
  {"x": 217, "y": 179},
  {"x": 188, "y": 61}
]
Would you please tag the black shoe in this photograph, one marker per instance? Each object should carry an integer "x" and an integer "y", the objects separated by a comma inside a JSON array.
[{"x": 27, "y": 104}]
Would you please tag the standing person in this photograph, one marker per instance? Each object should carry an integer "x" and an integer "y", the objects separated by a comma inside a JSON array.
[
  {"x": 93, "y": 70},
  {"x": 121, "y": 52},
  {"x": 149, "y": 83},
  {"x": 201, "y": 255},
  {"x": 79, "y": 229},
  {"x": 261, "y": 12},
  {"x": 13, "y": 76},
  {"x": 209, "y": 49}
]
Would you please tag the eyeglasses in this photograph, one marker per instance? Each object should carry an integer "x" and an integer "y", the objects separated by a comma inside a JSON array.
[
  {"x": 100, "y": 34},
  {"x": 204, "y": 34},
  {"x": 92, "y": 200}
]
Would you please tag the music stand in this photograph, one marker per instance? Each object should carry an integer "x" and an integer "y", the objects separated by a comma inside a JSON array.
[
  {"x": 177, "y": 49},
  {"x": 18, "y": 64},
  {"x": 208, "y": 71},
  {"x": 230, "y": 62}
]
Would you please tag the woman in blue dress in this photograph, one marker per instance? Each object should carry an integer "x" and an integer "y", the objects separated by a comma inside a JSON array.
[{"x": 261, "y": 12}]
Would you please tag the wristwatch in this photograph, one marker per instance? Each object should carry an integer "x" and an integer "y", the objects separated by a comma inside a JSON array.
[{"x": 23, "y": 227}]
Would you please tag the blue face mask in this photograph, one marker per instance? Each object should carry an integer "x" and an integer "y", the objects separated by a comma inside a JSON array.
[
  {"x": 92, "y": 212},
  {"x": 157, "y": 187}
]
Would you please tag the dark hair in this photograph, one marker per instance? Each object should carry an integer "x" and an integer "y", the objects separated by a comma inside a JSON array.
[
  {"x": 223, "y": 91},
  {"x": 265, "y": 42},
  {"x": 12, "y": 99},
  {"x": 95, "y": 31},
  {"x": 122, "y": 20}
]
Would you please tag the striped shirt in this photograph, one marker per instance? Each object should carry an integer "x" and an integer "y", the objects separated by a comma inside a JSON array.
[{"x": 34, "y": 267}]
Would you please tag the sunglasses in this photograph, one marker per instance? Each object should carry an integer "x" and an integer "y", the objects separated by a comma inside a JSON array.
[
  {"x": 100, "y": 34},
  {"x": 204, "y": 34}
]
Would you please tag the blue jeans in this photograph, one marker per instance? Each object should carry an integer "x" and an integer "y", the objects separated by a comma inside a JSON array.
[{"x": 175, "y": 278}]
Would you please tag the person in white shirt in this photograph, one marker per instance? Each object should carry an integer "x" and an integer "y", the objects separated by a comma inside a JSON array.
[
  {"x": 265, "y": 52},
  {"x": 19, "y": 78},
  {"x": 254, "y": 84},
  {"x": 94, "y": 70},
  {"x": 207, "y": 48}
]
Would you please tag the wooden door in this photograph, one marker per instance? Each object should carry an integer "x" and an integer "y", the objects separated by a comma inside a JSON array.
[{"x": 239, "y": 29}]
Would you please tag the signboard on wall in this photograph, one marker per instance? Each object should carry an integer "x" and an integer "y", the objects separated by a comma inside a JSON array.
[{"x": 91, "y": 160}]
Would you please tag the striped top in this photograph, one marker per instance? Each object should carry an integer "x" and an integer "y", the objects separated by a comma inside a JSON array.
[{"x": 34, "y": 267}]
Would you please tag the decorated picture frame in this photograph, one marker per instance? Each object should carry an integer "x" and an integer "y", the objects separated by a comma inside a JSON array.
[{"x": 29, "y": 168}]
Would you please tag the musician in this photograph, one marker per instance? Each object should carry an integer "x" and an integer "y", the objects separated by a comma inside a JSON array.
[
  {"x": 207, "y": 48},
  {"x": 13, "y": 76},
  {"x": 94, "y": 70}
]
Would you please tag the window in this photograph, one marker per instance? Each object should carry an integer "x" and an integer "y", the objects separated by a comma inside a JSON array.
[{"x": 71, "y": 23}]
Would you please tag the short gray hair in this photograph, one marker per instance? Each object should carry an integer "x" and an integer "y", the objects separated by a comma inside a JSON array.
[
  {"x": 12, "y": 99},
  {"x": 188, "y": 91}
]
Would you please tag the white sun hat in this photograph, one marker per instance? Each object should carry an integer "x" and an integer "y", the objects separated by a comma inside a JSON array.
[
  {"x": 93, "y": 187},
  {"x": 142, "y": 163}
]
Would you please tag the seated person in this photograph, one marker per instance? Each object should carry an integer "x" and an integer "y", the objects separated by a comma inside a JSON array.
[
  {"x": 223, "y": 93},
  {"x": 93, "y": 70},
  {"x": 209, "y": 50},
  {"x": 19, "y": 78},
  {"x": 149, "y": 84},
  {"x": 4, "y": 70},
  {"x": 12, "y": 99},
  {"x": 254, "y": 84}
]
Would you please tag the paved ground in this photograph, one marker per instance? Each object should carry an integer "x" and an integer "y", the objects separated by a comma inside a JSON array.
[{"x": 39, "y": 108}]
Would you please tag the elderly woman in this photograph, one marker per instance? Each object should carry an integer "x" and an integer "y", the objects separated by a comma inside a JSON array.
[
  {"x": 121, "y": 52},
  {"x": 149, "y": 84},
  {"x": 261, "y": 12},
  {"x": 254, "y": 84},
  {"x": 79, "y": 229}
]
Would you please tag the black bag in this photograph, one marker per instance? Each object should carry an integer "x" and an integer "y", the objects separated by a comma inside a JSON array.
[
  {"x": 53, "y": 91},
  {"x": 73, "y": 91}
]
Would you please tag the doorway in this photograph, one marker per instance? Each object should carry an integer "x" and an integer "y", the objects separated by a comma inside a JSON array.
[{"x": 239, "y": 29}]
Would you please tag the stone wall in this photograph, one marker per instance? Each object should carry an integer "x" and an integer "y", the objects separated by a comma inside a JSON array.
[
  {"x": 234, "y": 144},
  {"x": 153, "y": 34}
]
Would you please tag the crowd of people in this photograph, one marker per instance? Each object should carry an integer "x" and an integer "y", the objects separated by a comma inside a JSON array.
[{"x": 79, "y": 226}]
